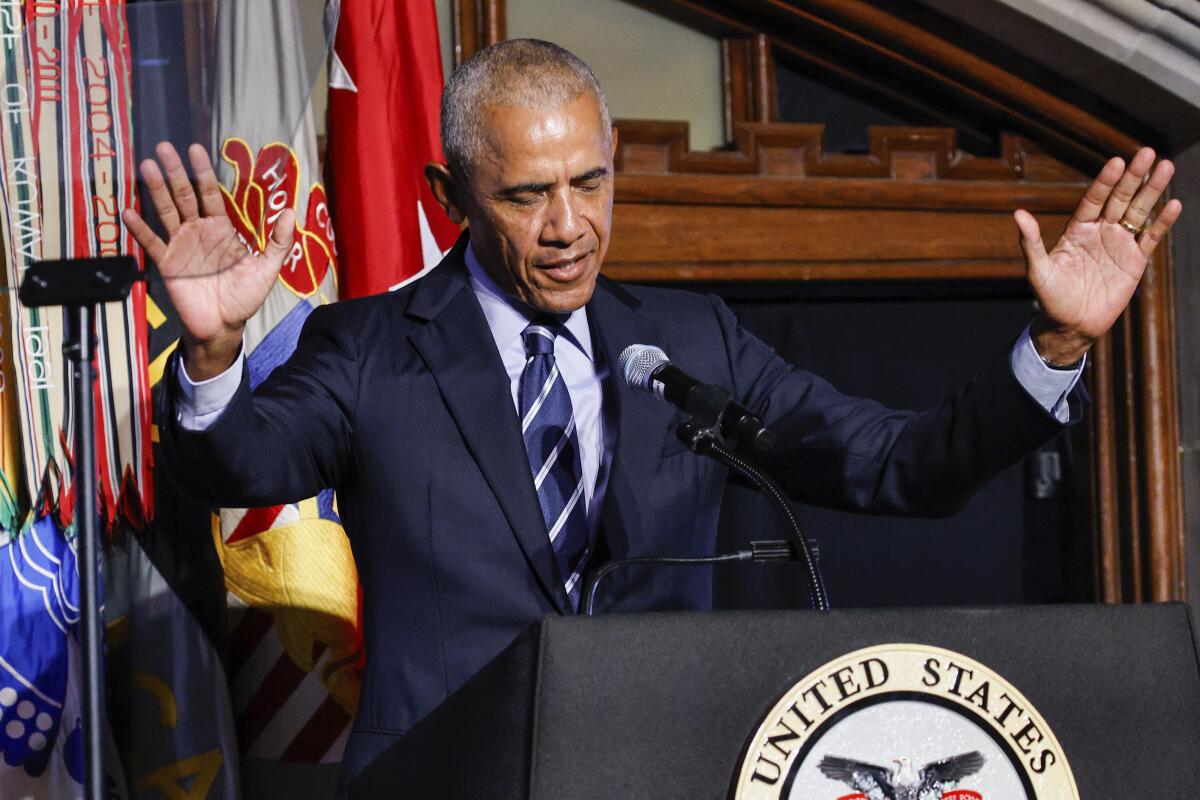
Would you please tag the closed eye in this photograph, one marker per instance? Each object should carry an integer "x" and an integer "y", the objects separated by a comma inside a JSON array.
[
  {"x": 525, "y": 193},
  {"x": 590, "y": 180}
]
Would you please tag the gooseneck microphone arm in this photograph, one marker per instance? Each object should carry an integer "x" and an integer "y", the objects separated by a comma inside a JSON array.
[
  {"x": 702, "y": 441},
  {"x": 716, "y": 426}
]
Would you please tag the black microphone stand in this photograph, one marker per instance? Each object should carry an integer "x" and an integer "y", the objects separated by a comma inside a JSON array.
[
  {"x": 707, "y": 440},
  {"x": 79, "y": 285}
]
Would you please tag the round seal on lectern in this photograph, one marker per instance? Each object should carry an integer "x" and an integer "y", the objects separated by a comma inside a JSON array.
[{"x": 904, "y": 722}]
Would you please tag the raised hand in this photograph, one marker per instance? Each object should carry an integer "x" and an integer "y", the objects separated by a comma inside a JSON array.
[
  {"x": 1087, "y": 280},
  {"x": 215, "y": 283}
]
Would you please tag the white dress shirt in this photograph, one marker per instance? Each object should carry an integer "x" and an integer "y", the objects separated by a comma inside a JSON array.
[{"x": 201, "y": 402}]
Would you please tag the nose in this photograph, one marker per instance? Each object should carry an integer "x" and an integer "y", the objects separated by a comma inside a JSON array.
[{"x": 564, "y": 224}]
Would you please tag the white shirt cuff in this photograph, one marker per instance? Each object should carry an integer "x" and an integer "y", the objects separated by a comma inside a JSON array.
[
  {"x": 1049, "y": 387},
  {"x": 200, "y": 403}
]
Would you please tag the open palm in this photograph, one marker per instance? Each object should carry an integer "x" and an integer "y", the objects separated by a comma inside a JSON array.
[
  {"x": 1087, "y": 280},
  {"x": 215, "y": 282}
]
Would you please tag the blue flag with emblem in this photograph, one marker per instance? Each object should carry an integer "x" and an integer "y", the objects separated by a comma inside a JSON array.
[{"x": 40, "y": 726}]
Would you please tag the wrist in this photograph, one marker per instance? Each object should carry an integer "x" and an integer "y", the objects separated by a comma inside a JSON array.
[
  {"x": 208, "y": 358},
  {"x": 1058, "y": 347}
]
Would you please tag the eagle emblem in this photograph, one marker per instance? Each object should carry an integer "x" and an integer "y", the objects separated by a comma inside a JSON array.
[{"x": 902, "y": 782}]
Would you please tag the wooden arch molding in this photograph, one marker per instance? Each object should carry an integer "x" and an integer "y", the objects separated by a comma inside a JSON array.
[{"x": 774, "y": 205}]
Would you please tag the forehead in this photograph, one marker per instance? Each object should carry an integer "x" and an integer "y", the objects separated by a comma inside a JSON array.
[{"x": 521, "y": 140}]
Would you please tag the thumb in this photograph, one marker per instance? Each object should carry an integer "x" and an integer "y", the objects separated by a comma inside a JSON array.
[
  {"x": 280, "y": 243},
  {"x": 1031, "y": 237}
]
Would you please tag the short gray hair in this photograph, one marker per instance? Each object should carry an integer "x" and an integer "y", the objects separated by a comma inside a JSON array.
[{"x": 520, "y": 73}]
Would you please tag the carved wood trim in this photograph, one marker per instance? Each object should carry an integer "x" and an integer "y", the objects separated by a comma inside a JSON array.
[
  {"x": 914, "y": 207},
  {"x": 1100, "y": 485},
  {"x": 784, "y": 149},
  {"x": 913, "y": 195},
  {"x": 477, "y": 24},
  {"x": 1159, "y": 429},
  {"x": 748, "y": 76},
  {"x": 1134, "y": 469}
]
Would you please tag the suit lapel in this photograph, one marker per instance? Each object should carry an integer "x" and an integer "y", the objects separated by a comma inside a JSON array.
[
  {"x": 642, "y": 420},
  {"x": 457, "y": 346}
]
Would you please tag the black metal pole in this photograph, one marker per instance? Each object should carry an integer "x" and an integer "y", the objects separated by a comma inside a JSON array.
[
  {"x": 79, "y": 285},
  {"x": 80, "y": 349}
]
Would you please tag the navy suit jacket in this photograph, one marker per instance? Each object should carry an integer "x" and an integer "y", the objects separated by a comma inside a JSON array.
[{"x": 401, "y": 403}]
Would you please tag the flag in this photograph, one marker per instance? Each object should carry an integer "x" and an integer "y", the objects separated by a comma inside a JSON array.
[
  {"x": 173, "y": 716},
  {"x": 385, "y": 81},
  {"x": 41, "y": 733},
  {"x": 66, "y": 147},
  {"x": 292, "y": 589},
  {"x": 293, "y": 645}
]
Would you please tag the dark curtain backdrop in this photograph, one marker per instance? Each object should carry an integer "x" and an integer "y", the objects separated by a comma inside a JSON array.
[{"x": 907, "y": 347}]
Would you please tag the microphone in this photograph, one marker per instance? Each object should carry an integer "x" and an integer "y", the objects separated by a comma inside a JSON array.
[{"x": 648, "y": 369}]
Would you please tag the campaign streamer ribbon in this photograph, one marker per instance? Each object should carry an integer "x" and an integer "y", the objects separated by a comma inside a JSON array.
[{"x": 68, "y": 171}]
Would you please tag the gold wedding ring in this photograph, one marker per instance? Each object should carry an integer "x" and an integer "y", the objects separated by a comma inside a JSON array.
[{"x": 1135, "y": 230}]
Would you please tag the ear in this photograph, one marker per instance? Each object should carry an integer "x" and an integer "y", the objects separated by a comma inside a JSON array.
[
  {"x": 445, "y": 190},
  {"x": 613, "y": 151}
]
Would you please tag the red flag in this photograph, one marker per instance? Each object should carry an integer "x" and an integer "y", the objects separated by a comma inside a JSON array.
[{"x": 385, "y": 82}]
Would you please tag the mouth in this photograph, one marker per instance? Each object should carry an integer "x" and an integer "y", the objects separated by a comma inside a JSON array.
[{"x": 566, "y": 270}]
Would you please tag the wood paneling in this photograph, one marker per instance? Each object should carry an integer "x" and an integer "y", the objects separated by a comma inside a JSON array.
[
  {"x": 477, "y": 23},
  {"x": 748, "y": 75},
  {"x": 874, "y": 243},
  {"x": 1158, "y": 428}
]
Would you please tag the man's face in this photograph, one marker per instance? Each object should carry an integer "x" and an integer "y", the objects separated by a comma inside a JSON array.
[{"x": 539, "y": 202}]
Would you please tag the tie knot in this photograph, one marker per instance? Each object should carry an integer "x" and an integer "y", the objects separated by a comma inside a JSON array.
[{"x": 539, "y": 337}]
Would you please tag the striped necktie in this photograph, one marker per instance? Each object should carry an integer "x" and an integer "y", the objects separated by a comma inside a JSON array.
[{"x": 548, "y": 427}]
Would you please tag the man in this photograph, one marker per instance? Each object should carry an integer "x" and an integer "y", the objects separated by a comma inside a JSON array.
[{"x": 484, "y": 451}]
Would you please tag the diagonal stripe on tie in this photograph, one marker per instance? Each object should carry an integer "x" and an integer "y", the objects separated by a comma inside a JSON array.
[
  {"x": 541, "y": 399},
  {"x": 558, "y": 448},
  {"x": 575, "y": 576},
  {"x": 566, "y": 512}
]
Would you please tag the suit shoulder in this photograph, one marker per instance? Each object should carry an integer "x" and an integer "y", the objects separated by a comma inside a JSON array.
[
  {"x": 360, "y": 313},
  {"x": 656, "y": 299}
]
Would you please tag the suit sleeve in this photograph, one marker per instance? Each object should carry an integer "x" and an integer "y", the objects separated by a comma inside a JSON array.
[
  {"x": 856, "y": 454},
  {"x": 283, "y": 442}
]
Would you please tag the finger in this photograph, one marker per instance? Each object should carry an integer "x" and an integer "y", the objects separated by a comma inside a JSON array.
[
  {"x": 155, "y": 247},
  {"x": 1158, "y": 229},
  {"x": 1031, "y": 237},
  {"x": 160, "y": 197},
  {"x": 1147, "y": 196},
  {"x": 1093, "y": 199},
  {"x": 280, "y": 243},
  {"x": 1130, "y": 182},
  {"x": 178, "y": 180},
  {"x": 206, "y": 181}
]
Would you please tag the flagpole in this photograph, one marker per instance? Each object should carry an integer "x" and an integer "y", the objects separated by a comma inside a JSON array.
[
  {"x": 80, "y": 349},
  {"x": 79, "y": 285}
]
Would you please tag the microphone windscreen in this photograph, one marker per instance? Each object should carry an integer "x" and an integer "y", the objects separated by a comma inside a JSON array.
[{"x": 638, "y": 362}]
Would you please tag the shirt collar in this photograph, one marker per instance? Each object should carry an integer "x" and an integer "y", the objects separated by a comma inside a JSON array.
[{"x": 508, "y": 319}]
